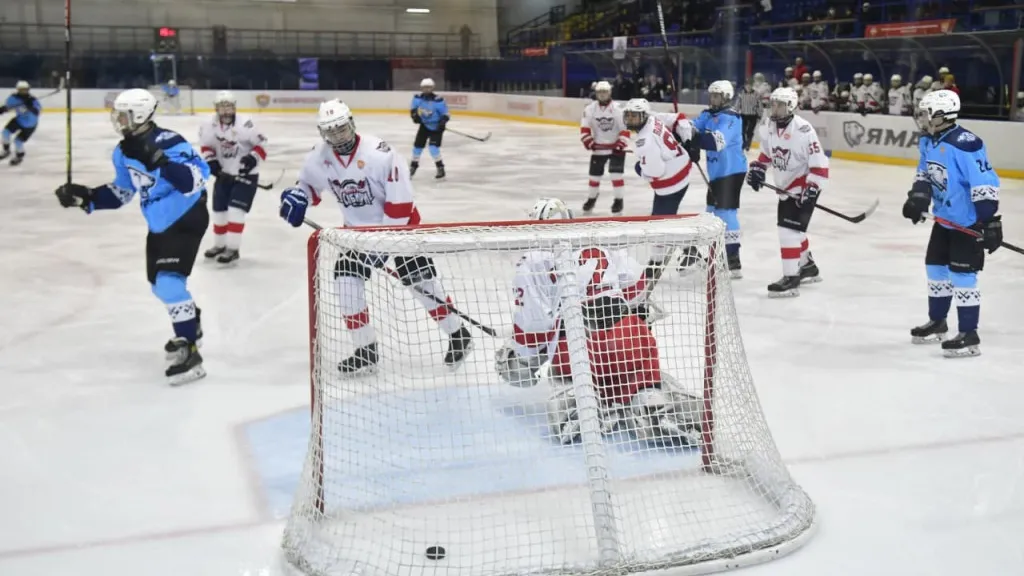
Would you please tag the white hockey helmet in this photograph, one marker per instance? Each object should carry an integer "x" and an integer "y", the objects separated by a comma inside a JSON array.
[
  {"x": 635, "y": 113},
  {"x": 938, "y": 111},
  {"x": 172, "y": 82},
  {"x": 805, "y": 76},
  {"x": 868, "y": 79},
  {"x": 788, "y": 71},
  {"x": 550, "y": 209},
  {"x": 896, "y": 80},
  {"x": 925, "y": 82},
  {"x": 720, "y": 94},
  {"x": 337, "y": 126},
  {"x": 783, "y": 104},
  {"x": 22, "y": 86},
  {"x": 603, "y": 88},
  {"x": 132, "y": 111},
  {"x": 943, "y": 71},
  {"x": 816, "y": 75},
  {"x": 758, "y": 77},
  {"x": 427, "y": 85},
  {"x": 858, "y": 77},
  {"x": 224, "y": 102}
]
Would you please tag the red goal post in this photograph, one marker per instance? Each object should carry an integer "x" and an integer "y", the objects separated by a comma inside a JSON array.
[{"x": 760, "y": 514}]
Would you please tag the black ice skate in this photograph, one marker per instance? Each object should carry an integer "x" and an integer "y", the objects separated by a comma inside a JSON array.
[
  {"x": 933, "y": 331},
  {"x": 214, "y": 252},
  {"x": 459, "y": 345},
  {"x": 617, "y": 205},
  {"x": 5, "y": 152},
  {"x": 413, "y": 167},
  {"x": 440, "y": 170},
  {"x": 188, "y": 363},
  {"x": 588, "y": 206},
  {"x": 691, "y": 261},
  {"x": 18, "y": 158},
  {"x": 786, "y": 287},
  {"x": 809, "y": 273},
  {"x": 362, "y": 361},
  {"x": 963, "y": 345},
  {"x": 171, "y": 349},
  {"x": 228, "y": 257},
  {"x": 735, "y": 269}
]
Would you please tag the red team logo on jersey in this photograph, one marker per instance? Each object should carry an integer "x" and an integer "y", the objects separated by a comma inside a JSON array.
[
  {"x": 352, "y": 194},
  {"x": 228, "y": 148},
  {"x": 780, "y": 158}
]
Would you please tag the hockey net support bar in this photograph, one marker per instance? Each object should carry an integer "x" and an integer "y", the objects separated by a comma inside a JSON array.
[{"x": 417, "y": 455}]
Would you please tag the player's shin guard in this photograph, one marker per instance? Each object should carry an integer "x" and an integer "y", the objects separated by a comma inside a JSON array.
[
  {"x": 6, "y": 139},
  {"x": 968, "y": 300},
  {"x": 416, "y": 153},
  {"x": 805, "y": 252},
  {"x": 940, "y": 292},
  {"x": 352, "y": 303},
  {"x": 593, "y": 187},
  {"x": 618, "y": 188},
  {"x": 220, "y": 229},
  {"x": 435, "y": 152},
  {"x": 790, "y": 242},
  {"x": 235, "y": 227},
  {"x": 171, "y": 289},
  {"x": 448, "y": 322},
  {"x": 732, "y": 230}
]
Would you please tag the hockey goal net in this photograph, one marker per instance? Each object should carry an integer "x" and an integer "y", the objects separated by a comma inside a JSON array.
[
  {"x": 418, "y": 467},
  {"x": 182, "y": 104}
]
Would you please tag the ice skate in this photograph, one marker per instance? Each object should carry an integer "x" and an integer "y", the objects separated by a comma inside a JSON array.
[
  {"x": 17, "y": 158},
  {"x": 214, "y": 252},
  {"x": 459, "y": 344},
  {"x": 171, "y": 349},
  {"x": 440, "y": 170},
  {"x": 932, "y": 331},
  {"x": 617, "y": 206},
  {"x": 187, "y": 365},
  {"x": 785, "y": 287},
  {"x": 413, "y": 167},
  {"x": 690, "y": 261},
  {"x": 5, "y": 152},
  {"x": 362, "y": 361},
  {"x": 588, "y": 206},
  {"x": 963, "y": 345},
  {"x": 809, "y": 273},
  {"x": 735, "y": 269},
  {"x": 228, "y": 257}
]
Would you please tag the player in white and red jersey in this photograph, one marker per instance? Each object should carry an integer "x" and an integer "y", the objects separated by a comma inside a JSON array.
[
  {"x": 819, "y": 92},
  {"x": 792, "y": 148},
  {"x": 871, "y": 98},
  {"x": 603, "y": 133},
  {"x": 622, "y": 350},
  {"x": 901, "y": 102},
  {"x": 234, "y": 148},
  {"x": 371, "y": 183}
]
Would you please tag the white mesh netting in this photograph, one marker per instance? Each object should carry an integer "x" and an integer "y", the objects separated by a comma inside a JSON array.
[
  {"x": 417, "y": 454},
  {"x": 166, "y": 105}
]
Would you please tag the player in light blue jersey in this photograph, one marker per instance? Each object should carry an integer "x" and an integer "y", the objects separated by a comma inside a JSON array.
[
  {"x": 26, "y": 110},
  {"x": 170, "y": 179},
  {"x": 171, "y": 96},
  {"x": 955, "y": 179},
  {"x": 431, "y": 112},
  {"x": 720, "y": 132}
]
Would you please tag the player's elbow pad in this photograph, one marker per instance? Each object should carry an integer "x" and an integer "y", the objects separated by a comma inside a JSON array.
[{"x": 184, "y": 177}]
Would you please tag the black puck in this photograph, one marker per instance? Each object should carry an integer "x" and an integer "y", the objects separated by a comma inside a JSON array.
[{"x": 435, "y": 552}]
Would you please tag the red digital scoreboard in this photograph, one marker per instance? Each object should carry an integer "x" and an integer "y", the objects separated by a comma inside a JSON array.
[{"x": 165, "y": 39}]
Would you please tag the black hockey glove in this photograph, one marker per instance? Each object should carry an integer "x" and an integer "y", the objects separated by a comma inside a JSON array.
[
  {"x": 442, "y": 123},
  {"x": 3, "y": 109},
  {"x": 991, "y": 233},
  {"x": 145, "y": 150},
  {"x": 215, "y": 168},
  {"x": 918, "y": 200},
  {"x": 246, "y": 165},
  {"x": 416, "y": 118},
  {"x": 74, "y": 195},
  {"x": 809, "y": 195},
  {"x": 756, "y": 175},
  {"x": 862, "y": 110},
  {"x": 693, "y": 149}
]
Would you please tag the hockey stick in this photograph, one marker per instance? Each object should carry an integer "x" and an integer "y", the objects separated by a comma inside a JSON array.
[
  {"x": 485, "y": 138},
  {"x": 857, "y": 219},
  {"x": 391, "y": 272},
  {"x": 969, "y": 231},
  {"x": 58, "y": 90},
  {"x": 672, "y": 80},
  {"x": 260, "y": 185}
]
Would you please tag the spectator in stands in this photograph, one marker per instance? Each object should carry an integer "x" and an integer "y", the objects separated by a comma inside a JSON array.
[
  {"x": 800, "y": 70},
  {"x": 622, "y": 88},
  {"x": 949, "y": 83}
]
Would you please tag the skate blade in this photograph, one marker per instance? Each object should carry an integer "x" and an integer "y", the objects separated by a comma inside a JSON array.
[
  {"x": 360, "y": 373},
  {"x": 963, "y": 352},
  {"x": 933, "y": 339},
  {"x": 736, "y": 274},
  {"x": 811, "y": 280},
  {"x": 197, "y": 373},
  {"x": 785, "y": 294},
  {"x": 229, "y": 264}
]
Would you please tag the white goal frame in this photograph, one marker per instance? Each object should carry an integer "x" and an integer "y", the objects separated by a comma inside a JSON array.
[{"x": 781, "y": 492}]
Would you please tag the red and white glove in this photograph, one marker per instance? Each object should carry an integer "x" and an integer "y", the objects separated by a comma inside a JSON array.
[
  {"x": 620, "y": 145},
  {"x": 588, "y": 141}
]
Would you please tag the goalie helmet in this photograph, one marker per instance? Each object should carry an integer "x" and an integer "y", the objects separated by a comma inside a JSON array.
[
  {"x": 133, "y": 111},
  {"x": 550, "y": 209},
  {"x": 783, "y": 104},
  {"x": 635, "y": 113},
  {"x": 720, "y": 94},
  {"x": 224, "y": 102},
  {"x": 938, "y": 111},
  {"x": 337, "y": 126}
]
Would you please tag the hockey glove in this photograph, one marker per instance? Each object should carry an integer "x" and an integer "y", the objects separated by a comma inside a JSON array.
[
  {"x": 918, "y": 200},
  {"x": 588, "y": 142},
  {"x": 293, "y": 206},
  {"x": 693, "y": 148},
  {"x": 215, "y": 168},
  {"x": 415, "y": 117},
  {"x": 144, "y": 150},
  {"x": 991, "y": 233},
  {"x": 442, "y": 123},
  {"x": 3, "y": 109},
  {"x": 809, "y": 195},
  {"x": 74, "y": 195},
  {"x": 246, "y": 165},
  {"x": 756, "y": 175}
]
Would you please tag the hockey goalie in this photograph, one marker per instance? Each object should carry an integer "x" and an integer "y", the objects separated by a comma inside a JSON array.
[{"x": 634, "y": 394}]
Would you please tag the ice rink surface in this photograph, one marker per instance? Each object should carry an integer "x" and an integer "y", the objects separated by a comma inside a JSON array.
[{"x": 916, "y": 462}]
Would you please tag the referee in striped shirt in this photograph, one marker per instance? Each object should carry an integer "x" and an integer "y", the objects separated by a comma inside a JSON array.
[{"x": 749, "y": 108}]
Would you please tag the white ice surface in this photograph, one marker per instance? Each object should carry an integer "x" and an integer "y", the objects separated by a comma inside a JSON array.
[{"x": 916, "y": 463}]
